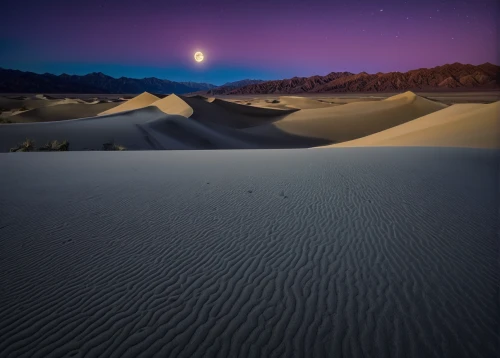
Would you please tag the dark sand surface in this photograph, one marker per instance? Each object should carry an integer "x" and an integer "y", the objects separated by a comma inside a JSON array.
[{"x": 342, "y": 252}]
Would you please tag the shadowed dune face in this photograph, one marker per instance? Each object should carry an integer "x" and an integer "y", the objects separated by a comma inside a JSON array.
[
  {"x": 231, "y": 114},
  {"x": 175, "y": 132},
  {"x": 86, "y": 133},
  {"x": 250, "y": 110},
  {"x": 147, "y": 129},
  {"x": 239, "y": 253}
]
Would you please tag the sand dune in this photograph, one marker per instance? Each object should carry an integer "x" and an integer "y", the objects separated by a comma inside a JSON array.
[
  {"x": 354, "y": 120},
  {"x": 140, "y": 101},
  {"x": 61, "y": 112},
  {"x": 347, "y": 252},
  {"x": 87, "y": 133},
  {"x": 14, "y": 104},
  {"x": 32, "y": 110},
  {"x": 174, "y": 105},
  {"x": 460, "y": 125},
  {"x": 261, "y": 103},
  {"x": 250, "y": 110},
  {"x": 303, "y": 102},
  {"x": 149, "y": 128},
  {"x": 232, "y": 115},
  {"x": 195, "y": 123}
]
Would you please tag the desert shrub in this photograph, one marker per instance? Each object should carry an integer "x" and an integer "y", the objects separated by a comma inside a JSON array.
[
  {"x": 55, "y": 146},
  {"x": 23, "y": 108},
  {"x": 112, "y": 146},
  {"x": 27, "y": 146}
]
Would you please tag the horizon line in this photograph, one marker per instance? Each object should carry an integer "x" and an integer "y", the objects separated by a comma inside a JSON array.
[{"x": 247, "y": 79}]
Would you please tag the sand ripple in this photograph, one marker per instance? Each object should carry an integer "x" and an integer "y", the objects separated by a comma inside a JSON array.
[{"x": 347, "y": 252}]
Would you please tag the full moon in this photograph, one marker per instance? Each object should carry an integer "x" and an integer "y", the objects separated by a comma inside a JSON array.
[{"x": 198, "y": 56}]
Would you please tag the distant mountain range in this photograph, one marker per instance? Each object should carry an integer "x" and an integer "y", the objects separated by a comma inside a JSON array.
[
  {"x": 230, "y": 86},
  {"x": 201, "y": 86},
  {"x": 447, "y": 77},
  {"x": 13, "y": 81}
]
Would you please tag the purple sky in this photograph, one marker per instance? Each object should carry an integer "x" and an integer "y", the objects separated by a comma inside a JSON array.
[{"x": 265, "y": 39}]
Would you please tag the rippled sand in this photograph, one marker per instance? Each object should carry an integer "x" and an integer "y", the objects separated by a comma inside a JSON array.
[{"x": 342, "y": 252}]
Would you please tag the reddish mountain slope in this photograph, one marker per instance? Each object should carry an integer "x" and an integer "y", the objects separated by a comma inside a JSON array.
[
  {"x": 454, "y": 76},
  {"x": 292, "y": 85}
]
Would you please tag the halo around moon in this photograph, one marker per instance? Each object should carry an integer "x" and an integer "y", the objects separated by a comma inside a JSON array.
[{"x": 198, "y": 56}]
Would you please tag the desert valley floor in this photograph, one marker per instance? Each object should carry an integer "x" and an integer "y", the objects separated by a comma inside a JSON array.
[{"x": 351, "y": 226}]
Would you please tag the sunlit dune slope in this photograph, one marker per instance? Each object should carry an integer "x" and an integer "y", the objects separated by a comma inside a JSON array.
[
  {"x": 140, "y": 101},
  {"x": 461, "y": 125}
]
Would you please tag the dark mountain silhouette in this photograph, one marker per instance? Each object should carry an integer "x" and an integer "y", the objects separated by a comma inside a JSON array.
[
  {"x": 13, "y": 81},
  {"x": 201, "y": 86},
  {"x": 448, "y": 77}
]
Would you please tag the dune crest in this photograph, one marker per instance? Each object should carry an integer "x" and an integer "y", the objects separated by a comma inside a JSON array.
[
  {"x": 174, "y": 105},
  {"x": 143, "y": 100},
  {"x": 408, "y": 96}
]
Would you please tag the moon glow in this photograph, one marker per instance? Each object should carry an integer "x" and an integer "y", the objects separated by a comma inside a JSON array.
[{"x": 198, "y": 56}]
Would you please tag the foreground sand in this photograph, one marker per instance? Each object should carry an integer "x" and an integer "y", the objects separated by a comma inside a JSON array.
[{"x": 346, "y": 252}]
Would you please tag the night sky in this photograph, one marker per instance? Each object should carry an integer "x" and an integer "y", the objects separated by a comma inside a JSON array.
[{"x": 258, "y": 39}]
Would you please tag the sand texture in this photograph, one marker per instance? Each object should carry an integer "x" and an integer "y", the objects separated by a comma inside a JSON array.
[{"x": 342, "y": 252}]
